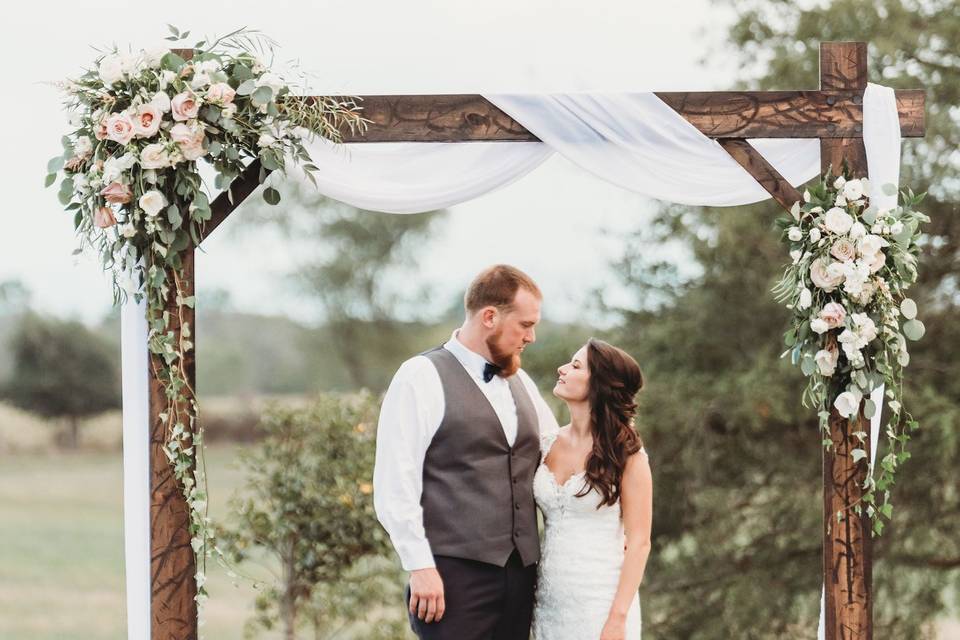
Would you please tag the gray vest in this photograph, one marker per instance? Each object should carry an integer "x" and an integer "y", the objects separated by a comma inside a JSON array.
[{"x": 477, "y": 490}]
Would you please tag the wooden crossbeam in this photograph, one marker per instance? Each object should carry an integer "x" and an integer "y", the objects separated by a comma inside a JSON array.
[{"x": 762, "y": 171}]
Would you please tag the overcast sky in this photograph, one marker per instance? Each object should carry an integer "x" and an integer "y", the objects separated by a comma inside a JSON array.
[{"x": 364, "y": 48}]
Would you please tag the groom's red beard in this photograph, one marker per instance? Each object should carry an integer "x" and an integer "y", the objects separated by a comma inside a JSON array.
[{"x": 509, "y": 362}]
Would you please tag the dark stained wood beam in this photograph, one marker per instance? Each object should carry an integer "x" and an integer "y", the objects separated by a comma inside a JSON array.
[
  {"x": 847, "y": 545},
  {"x": 718, "y": 114},
  {"x": 762, "y": 171}
]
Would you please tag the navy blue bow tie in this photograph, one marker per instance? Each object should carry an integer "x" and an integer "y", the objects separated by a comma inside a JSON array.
[{"x": 490, "y": 370}]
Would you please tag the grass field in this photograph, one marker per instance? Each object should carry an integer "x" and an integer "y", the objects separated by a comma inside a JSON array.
[{"x": 61, "y": 537}]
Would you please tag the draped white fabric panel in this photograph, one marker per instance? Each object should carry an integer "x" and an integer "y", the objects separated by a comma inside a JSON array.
[{"x": 631, "y": 140}]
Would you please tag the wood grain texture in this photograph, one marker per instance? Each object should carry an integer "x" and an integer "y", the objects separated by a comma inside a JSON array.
[
  {"x": 718, "y": 114},
  {"x": 847, "y": 550},
  {"x": 762, "y": 171}
]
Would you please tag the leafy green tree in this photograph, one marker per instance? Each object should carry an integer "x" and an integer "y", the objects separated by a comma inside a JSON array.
[
  {"x": 736, "y": 458},
  {"x": 62, "y": 370},
  {"x": 308, "y": 504}
]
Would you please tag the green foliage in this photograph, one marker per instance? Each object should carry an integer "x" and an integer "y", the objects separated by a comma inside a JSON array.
[
  {"x": 61, "y": 369},
  {"x": 308, "y": 502}
]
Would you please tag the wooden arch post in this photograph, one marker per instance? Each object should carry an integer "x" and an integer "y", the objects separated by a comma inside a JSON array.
[{"x": 833, "y": 114}]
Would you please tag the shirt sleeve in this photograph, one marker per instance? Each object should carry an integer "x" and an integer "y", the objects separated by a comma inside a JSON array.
[
  {"x": 409, "y": 417},
  {"x": 545, "y": 417}
]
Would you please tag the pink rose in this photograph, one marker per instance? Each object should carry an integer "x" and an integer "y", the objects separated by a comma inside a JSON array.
[
  {"x": 843, "y": 250},
  {"x": 119, "y": 128},
  {"x": 221, "y": 93},
  {"x": 184, "y": 106},
  {"x": 103, "y": 217},
  {"x": 147, "y": 120},
  {"x": 823, "y": 278},
  {"x": 833, "y": 314},
  {"x": 116, "y": 193},
  {"x": 190, "y": 140}
]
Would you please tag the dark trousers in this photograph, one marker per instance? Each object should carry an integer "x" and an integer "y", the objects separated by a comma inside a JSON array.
[{"x": 483, "y": 601}]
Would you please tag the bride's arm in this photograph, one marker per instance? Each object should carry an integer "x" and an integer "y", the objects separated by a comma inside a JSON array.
[{"x": 636, "y": 502}]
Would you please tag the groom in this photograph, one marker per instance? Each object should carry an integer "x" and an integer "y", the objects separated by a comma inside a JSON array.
[{"x": 457, "y": 446}]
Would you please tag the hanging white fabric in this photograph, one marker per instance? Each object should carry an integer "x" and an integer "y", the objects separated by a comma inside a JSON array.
[{"x": 632, "y": 140}]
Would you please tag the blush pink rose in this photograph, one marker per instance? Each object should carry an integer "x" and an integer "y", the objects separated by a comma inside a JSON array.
[
  {"x": 189, "y": 139},
  {"x": 116, "y": 193},
  {"x": 147, "y": 120},
  {"x": 843, "y": 250},
  {"x": 833, "y": 314},
  {"x": 184, "y": 106},
  {"x": 120, "y": 128},
  {"x": 221, "y": 93},
  {"x": 103, "y": 217},
  {"x": 100, "y": 133}
]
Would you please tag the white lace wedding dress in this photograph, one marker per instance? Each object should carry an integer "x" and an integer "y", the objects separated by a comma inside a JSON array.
[{"x": 580, "y": 560}]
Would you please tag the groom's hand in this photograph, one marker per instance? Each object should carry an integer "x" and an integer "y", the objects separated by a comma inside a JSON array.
[{"x": 426, "y": 594}]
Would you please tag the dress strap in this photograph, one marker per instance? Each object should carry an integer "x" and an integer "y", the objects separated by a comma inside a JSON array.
[{"x": 546, "y": 442}]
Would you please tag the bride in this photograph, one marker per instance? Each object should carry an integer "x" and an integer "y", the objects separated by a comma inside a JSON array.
[{"x": 594, "y": 489}]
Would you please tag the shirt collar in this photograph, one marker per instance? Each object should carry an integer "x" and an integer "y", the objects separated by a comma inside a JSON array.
[{"x": 473, "y": 362}]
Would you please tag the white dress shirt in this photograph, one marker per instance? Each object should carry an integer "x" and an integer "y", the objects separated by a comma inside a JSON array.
[{"x": 412, "y": 411}]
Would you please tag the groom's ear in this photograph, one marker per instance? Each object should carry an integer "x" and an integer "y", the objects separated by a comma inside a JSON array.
[{"x": 489, "y": 316}]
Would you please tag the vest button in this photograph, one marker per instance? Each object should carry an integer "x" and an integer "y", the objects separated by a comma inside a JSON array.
[{"x": 517, "y": 505}]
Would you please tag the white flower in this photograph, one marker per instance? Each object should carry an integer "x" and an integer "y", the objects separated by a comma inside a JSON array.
[
  {"x": 838, "y": 221},
  {"x": 896, "y": 228},
  {"x": 840, "y": 201},
  {"x": 814, "y": 235},
  {"x": 110, "y": 69},
  {"x": 795, "y": 211},
  {"x": 827, "y": 361},
  {"x": 152, "y": 202},
  {"x": 852, "y": 190},
  {"x": 819, "y": 326},
  {"x": 821, "y": 276},
  {"x": 806, "y": 299},
  {"x": 129, "y": 63},
  {"x": 871, "y": 244},
  {"x": 154, "y": 156},
  {"x": 796, "y": 254},
  {"x": 128, "y": 230},
  {"x": 795, "y": 234},
  {"x": 806, "y": 195},
  {"x": 153, "y": 57},
  {"x": 114, "y": 167},
  {"x": 83, "y": 146},
  {"x": 161, "y": 101},
  {"x": 857, "y": 230},
  {"x": 894, "y": 406},
  {"x": 166, "y": 78},
  {"x": 866, "y": 328},
  {"x": 839, "y": 182},
  {"x": 848, "y": 403}
]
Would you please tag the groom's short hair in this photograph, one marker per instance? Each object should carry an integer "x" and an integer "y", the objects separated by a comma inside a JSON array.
[{"x": 497, "y": 286}]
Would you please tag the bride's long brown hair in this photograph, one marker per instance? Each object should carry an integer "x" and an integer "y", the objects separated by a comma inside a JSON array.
[{"x": 615, "y": 379}]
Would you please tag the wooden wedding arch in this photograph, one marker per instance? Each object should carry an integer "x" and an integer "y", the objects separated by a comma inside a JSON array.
[{"x": 834, "y": 114}]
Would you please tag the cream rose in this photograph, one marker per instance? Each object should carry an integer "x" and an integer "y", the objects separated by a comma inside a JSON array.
[
  {"x": 119, "y": 128},
  {"x": 190, "y": 139},
  {"x": 838, "y": 221},
  {"x": 116, "y": 193},
  {"x": 842, "y": 249},
  {"x": 152, "y": 202},
  {"x": 857, "y": 230},
  {"x": 147, "y": 120},
  {"x": 852, "y": 190},
  {"x": 833, "y": 314},
  {"x": 154, "y": 156},
  {"x": 110, "y": 69},
  {"x": 184, "y": 106},
  {"x": 821, "y": 276},
  {"x": 826, "y": 360},
  {"x": 819, "y": 326},
  {"x": 221, "y": 93},
  {"x": 103, "y": 217},
  {"x": 871, "y": 244}
]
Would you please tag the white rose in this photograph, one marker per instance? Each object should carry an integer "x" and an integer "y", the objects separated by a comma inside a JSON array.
[
  {"x": 839, "y": 182},
  {"x": 129, "y": 62},
  {"x": 128, "y": 230},
  {"x": 154, "y": 156},
  {"x": 161, "y": 101},
  {"x": 871, "y": 244},
  {"x": 857, "y": 230},
  {"x": 152, "y": 202},
  {"x": 795, "y": 234},
  {"x": 852, "y": 190},
  {"x": 153, "y": 57},
  {"x": 83, "y": 146},
  {"x": 166, "y": 78},
  {"x": 819, "y": 326},
  {"x": 806, "y": 299},
  {"x": 840, "y": 201},
  {"x": 827, "y": 361},
  {"x": 814, "y": 235},
  {"x": 110, "y": 69},
  {"x": 838, "y": 221},
  {"x": 848, "y": 403}
]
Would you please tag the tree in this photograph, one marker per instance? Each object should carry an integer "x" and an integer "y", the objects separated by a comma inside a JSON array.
[
  {"x": 62, "y": 370},
  {"x": 308, "y": 503},
  {"x": 736, "y": 458},
  {"x": 358, "y": 270}
]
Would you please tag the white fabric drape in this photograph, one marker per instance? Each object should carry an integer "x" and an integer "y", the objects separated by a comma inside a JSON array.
[
  {"x": 631, "y": 140},
  {"x": 881, "y": 139}
]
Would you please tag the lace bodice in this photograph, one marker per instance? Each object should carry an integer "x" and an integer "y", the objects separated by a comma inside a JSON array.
[{"x": 580, "y": 559}]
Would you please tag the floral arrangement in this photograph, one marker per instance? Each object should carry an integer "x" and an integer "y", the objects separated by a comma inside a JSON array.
[
  {"x": 851, "y": 265},
  {"x": 141, "y": 122}
]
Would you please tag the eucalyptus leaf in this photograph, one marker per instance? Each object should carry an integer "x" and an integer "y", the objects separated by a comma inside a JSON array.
[
  {"x": 55, "y": 164},
  {"x": 173, "y": 216},
  {"x": 246, "y": 87},
  {"x": 914, "y": 329},
  {"x": 889, "y": 189},
  {"x": 808, "y": 365},
  {"x": 869, "y": 408},
  {"x": 908, "y": 308},
  {"x": 261, "y": 96},
  {"x": 271, "y": 195},
  {"x": 50, "y": 179}
]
